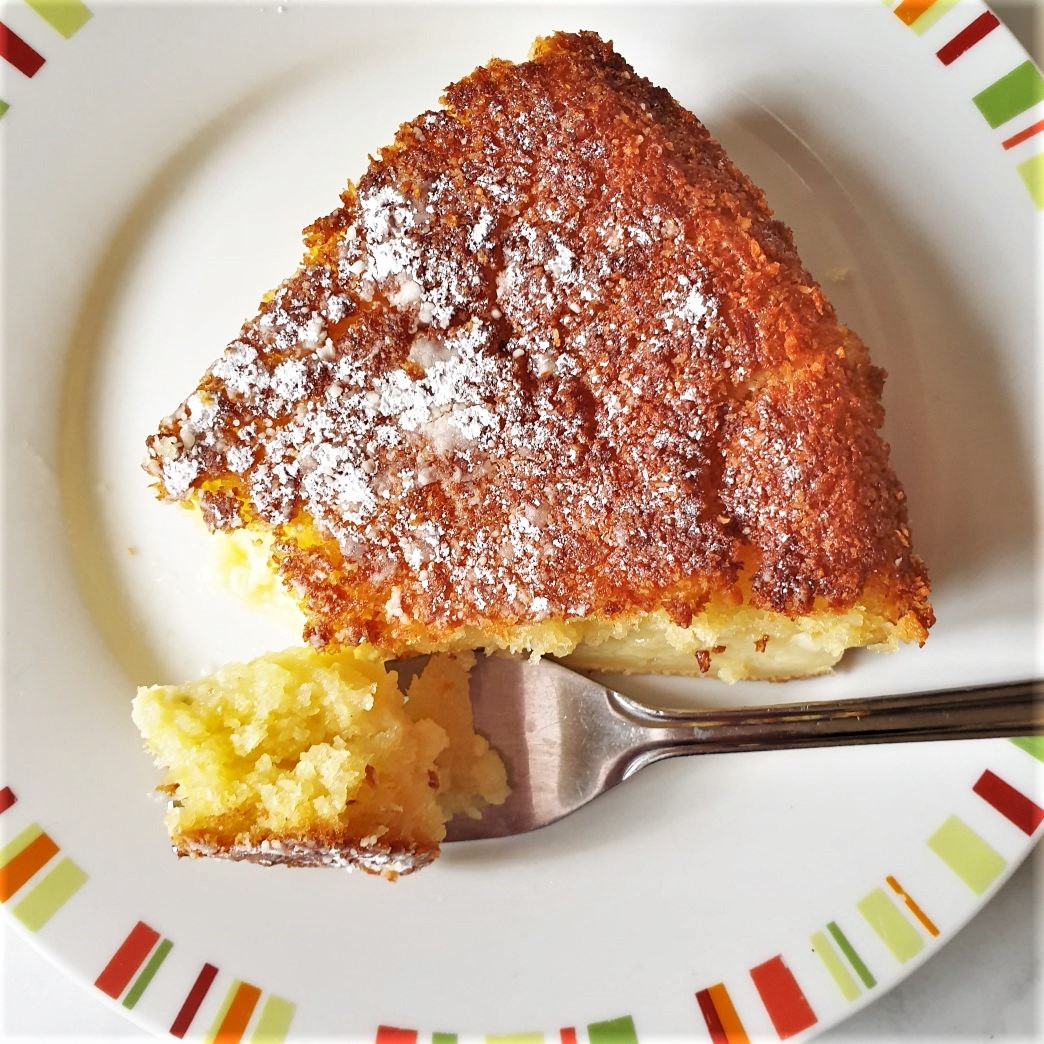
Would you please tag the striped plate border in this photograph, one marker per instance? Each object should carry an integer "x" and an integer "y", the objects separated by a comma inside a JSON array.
[
  {"x": 1008, "y": 101},
  {"x": 34, "y": 875},
  {"x": 41, "y": 883},
  {"x": 65, "y": 17},
  {"x": 894, "y": 917},
  {"x": 38, "y": 881},
  {"x": 138, "y": 959}
]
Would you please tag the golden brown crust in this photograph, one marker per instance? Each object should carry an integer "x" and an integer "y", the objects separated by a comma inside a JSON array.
[{"x": 552, "y": 358}]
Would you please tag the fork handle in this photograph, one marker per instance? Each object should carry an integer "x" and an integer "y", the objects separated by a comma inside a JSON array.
[{"x": 1011, "y": 709}]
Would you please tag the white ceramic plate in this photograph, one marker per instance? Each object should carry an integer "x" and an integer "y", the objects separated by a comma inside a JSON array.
[{"x": 156, "y": 171}]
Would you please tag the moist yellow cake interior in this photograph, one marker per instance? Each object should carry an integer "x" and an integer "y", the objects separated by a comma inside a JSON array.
[
  {"x": 240, "y": 562},
  {"x": 726, "y": 641},
  {"x": 320, "y": 748}
]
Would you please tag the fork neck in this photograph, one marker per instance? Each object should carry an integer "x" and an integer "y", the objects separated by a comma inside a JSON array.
[{"x": 1012, "y": 709}]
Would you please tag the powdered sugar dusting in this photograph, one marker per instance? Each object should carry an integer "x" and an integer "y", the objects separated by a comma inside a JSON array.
[{"x": 357, "y": 434}]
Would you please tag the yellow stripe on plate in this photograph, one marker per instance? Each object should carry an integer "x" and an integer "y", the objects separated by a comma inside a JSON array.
[
  {"x": 967, "y": 855},
  {"x": 274, "y": 1022},
  {"x": 932, "y": 15},
  {"x": 50, "y": 895},
  {"x": 893, "y": 929},
  {"x": 20, "y": 843},
  {"x": 834, "y": 965}
]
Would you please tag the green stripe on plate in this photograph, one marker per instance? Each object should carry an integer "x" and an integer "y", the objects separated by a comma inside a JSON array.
[
  {"x": 19, "y": 843},
  {"x": 274, "y": 1023},
  {"x": 932, "y": 15},
  {"x": 894, "y": 930},
  {"x": 444, "y": 1038},
  {"x": 50, "y": 895},
  {"x": 3, "y": 107},
  {"x": 1011, "y": 94},
  {"x": 833, "y": 964},
  {"x": 67, "y": 16},
  {"x": 1030, "y": 744},
  {"x": 613, "y": 1031},
  {"x": 864, "y": 973},
  {"x": 142, "y": 981},
  {"x": 967, "y": 855}
]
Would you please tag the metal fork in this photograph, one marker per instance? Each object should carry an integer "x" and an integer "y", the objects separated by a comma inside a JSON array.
[{"x": 566, "y": 739}]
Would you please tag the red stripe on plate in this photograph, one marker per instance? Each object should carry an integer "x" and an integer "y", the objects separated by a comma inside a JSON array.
[
  {"x": 23, "y": 57},
  {"x": 710, "y": 1016},
  {"x": 180, "y": 1026},
  {"x": 1023, "y": 135},
  {"x": 127, "y": 960},
  {"x": 1009, "y": 802},
  {"x": 7, "y": 799},
  {"x": 391, "y": 1035},
  {"x": 786, "y": 1004},
  {"x": 567, "y": 1035},
  {"x": 968, "y": 37}
]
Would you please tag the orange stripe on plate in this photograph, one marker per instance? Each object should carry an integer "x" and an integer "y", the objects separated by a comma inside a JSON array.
[
  {"x": 32, "y": 858},
  {"x": 912, "y": 906},
  {"x": 1023, "y": 135},
  {"x": 730, "y": 1021},
  {"x": 910, "y": 10},
  {"x": 234, "y": 1024}
]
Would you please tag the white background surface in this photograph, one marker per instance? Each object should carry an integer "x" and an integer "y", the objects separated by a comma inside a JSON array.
[{"x": 987, "y": 984}]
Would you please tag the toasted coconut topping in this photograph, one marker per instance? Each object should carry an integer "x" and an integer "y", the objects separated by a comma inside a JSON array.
[{"x": 552, "y": 357}]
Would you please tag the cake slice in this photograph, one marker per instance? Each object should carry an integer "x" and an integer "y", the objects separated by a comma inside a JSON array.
[
  {"x": 551, "y": 378},
  {"x": 316, "y": 759}
]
